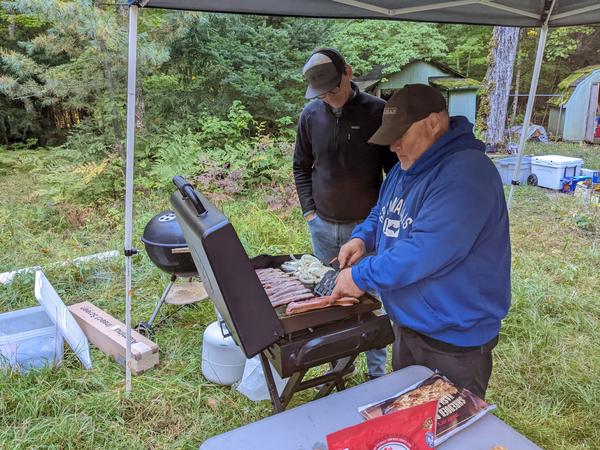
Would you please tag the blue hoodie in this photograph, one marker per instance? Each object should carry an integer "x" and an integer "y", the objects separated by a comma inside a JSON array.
[{"x": 441, "y": 240}]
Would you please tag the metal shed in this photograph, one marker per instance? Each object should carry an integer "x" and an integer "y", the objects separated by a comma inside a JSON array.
[
  {"x": 575, "y": 115},
  {"x": 460, "y": 92}
]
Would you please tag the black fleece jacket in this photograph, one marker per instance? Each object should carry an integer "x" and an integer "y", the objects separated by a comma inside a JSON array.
[{"x": 337, "y": 173}]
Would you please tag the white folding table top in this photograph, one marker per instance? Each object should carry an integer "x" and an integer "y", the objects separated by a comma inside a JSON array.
[{"x": 305, "y": 427}]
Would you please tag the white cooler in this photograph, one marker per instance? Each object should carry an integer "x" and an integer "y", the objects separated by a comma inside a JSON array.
[{"x": 550, "y": 169}]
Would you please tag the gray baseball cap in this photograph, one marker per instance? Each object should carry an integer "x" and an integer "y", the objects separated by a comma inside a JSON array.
[
  {"x": 323, "y": 71},
  {"x": 410, "y": 104}
]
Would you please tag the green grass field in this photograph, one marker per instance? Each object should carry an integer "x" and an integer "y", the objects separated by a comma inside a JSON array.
[{"x": 546, "y": 380}]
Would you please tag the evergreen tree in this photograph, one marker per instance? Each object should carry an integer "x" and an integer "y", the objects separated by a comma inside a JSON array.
[
  {"x": 370, "y": 43},
  {"x": 73, "y": 68}
]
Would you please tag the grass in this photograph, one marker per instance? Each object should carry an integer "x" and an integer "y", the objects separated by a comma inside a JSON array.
[{"x": 546, "y": 380}]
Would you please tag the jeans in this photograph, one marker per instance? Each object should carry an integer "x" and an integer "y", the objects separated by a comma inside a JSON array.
[
  {"x": 469, "y": 367},
  {"x": 327, "y": 238}
]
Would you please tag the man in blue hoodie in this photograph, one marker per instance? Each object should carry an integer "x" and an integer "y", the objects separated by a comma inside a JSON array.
[{"x": 440, "y": 235}]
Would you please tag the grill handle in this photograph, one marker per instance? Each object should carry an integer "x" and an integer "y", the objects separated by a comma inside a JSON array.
[
  {"x": 338, "y": 344},
  {"x": 187, "y": 191}
]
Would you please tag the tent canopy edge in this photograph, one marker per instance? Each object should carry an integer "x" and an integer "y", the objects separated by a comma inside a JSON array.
[{"x": 517, "y": 13}]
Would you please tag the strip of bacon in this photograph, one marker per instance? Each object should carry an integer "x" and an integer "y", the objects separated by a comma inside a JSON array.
[
  {"x": 318, "y": 303},
  {"x": 291, "y": 298},
  {"x": 288, "y": 292}
]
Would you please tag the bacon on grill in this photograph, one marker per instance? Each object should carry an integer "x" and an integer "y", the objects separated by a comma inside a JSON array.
[
  {"x": 288, "y": 292},
  {"x": 297, "y": 307},
  {"x": 265, "y": 274},
  {"x": 291, "y": 298},
  {"x": 272, "y": 287},
  {"x": 283, "y": 288}
]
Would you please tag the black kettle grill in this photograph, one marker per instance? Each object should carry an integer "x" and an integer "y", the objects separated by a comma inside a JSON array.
[{"x": 166, "y": 247}]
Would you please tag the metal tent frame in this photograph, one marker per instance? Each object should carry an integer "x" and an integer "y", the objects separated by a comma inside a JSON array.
[{"x": 519, "y": 13}]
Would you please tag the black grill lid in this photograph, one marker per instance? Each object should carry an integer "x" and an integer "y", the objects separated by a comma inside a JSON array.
[
  {"x": 226, "y": 271},
  {"x": 164, "y": 231},
  {"x": 161, "y": 237}
]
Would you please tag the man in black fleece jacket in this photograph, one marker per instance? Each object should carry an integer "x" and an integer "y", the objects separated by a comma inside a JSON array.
[{"x": 337, "y": 172}]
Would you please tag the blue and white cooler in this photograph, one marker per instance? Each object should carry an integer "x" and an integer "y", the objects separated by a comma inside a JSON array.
[{"x": 548, "y": 170}]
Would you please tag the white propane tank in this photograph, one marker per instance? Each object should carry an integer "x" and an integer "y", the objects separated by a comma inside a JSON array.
[{"x": 222, "y": 360}]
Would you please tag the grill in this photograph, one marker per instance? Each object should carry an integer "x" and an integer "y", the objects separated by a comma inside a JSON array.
[
  {"x": 166, "y": 247},
  {"x": 292, "y": 344}
]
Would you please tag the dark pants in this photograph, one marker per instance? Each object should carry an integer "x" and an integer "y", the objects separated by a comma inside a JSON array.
[{"x": 469, "y": 367}]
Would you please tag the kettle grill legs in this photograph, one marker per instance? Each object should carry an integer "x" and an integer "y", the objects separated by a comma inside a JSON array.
[{"x": 145, "y": 328}]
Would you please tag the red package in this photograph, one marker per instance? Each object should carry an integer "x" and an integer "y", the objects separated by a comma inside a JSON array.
[
  {"x": 458, "y": 407},
  {"x": 408, "y": 429}
]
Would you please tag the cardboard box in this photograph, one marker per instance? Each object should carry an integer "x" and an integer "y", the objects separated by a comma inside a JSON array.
[{"x": 108, "y": 334}]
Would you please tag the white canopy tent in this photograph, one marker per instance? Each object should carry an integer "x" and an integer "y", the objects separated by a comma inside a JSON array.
[{"x": 518, "y": 13}]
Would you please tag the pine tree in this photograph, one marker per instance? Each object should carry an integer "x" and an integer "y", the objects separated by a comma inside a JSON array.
[{"x": 75, "y": 66}]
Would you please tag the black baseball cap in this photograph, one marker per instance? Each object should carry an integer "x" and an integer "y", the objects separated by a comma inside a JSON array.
[
  {"x": 410, "y": 104},
  {"x": 323, "y": 71}
]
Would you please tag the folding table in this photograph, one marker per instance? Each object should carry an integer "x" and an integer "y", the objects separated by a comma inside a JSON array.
[{"x": 305, "y": 427}]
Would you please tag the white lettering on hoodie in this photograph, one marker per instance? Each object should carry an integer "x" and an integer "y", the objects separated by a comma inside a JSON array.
[{"x": 394, "y": 216}]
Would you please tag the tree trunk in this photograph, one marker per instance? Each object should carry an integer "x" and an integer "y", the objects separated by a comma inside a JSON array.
[
  {"x": 111, "y": 87},
  {"x": 11, "y": 27},
  {"x": 517, "y": 84},
  {"x": 494, "y": 101}
]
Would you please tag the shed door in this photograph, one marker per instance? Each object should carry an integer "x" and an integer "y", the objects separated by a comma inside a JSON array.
[{"x": 592, "y": 130}]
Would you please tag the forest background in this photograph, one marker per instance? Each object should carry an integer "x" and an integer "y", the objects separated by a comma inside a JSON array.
[{"x": 218, "y": 95}]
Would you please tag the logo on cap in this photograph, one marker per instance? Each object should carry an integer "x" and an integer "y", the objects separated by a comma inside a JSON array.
[{"x": 390, "y": 110}]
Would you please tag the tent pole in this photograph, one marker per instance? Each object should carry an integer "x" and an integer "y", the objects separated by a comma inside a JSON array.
[
  {"x": 129, "y": 252},
  {"x": 530, "y": 101}
]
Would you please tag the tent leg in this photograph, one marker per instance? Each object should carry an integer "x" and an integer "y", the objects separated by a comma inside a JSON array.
[
  {"x": 530, "y": 101},
  {"x": 131, "y": 81}
]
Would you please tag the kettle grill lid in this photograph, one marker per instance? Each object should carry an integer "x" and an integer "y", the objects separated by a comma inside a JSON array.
[{"x": 163, "y": 230}]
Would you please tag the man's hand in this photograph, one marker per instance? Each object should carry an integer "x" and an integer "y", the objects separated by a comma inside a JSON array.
[
  {"x": 351, "y": 252},
  {"x": 345, "y": 286}
]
